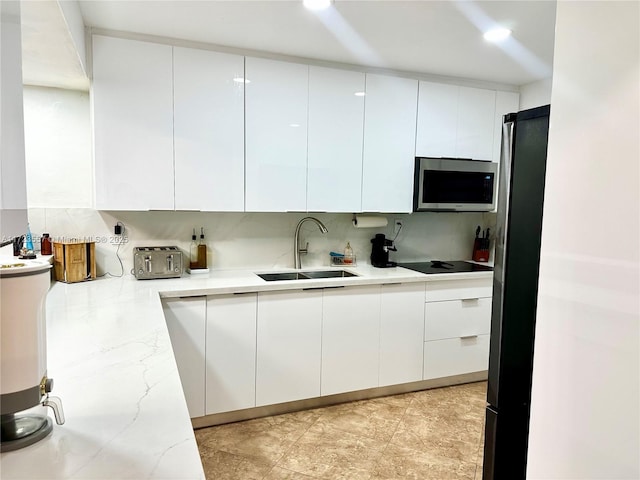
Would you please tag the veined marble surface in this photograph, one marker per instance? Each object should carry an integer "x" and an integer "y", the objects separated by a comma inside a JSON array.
[{"x": 110, "y": 355}]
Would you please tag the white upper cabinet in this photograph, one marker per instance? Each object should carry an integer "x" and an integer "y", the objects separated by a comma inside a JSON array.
[
  {"x": 336, "y": 120},
  {"x": 276, "y": 96},
  {"x": 476, "y": 118},
  {"x": 132, "y": 97},
  {"x": 13, "y": 185},
  {"x": 456, "y": 122},
  {"x": 389, "y": 144},
  {"x": 506, "y": 102},
  {"x": 437, "y": 120},
  {"x": 208, "y": 99}
]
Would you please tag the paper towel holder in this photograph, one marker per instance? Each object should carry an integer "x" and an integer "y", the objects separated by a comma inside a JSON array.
[{"x": 369, "y": 221}]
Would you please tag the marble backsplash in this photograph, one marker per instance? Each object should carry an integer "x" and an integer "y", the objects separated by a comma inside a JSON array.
[{"x": 258, "y": 240}]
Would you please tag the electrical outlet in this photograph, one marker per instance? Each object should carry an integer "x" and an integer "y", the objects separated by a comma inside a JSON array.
[{"x": 397, "y": 226}]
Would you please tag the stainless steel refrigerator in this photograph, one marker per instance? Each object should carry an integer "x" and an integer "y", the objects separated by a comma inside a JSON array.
[{"x": 515, "y": 292}]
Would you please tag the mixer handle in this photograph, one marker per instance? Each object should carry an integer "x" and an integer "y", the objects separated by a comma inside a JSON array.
[{"x": 56, "y": 405}]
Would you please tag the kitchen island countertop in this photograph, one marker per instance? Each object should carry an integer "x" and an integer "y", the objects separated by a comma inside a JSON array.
[{"x": 110, "y": 356}]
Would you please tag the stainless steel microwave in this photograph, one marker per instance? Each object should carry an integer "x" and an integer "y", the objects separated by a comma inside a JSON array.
[{"x": 454, "y": 185}]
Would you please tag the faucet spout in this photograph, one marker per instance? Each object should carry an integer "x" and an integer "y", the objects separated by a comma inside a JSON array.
[{"x": 296, "y": 239}]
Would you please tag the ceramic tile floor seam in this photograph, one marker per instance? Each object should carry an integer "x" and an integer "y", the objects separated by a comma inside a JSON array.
[
  {"x": 480, "y": 457},
  {"x": 395, "y": 429},
  {"x": 384, "y": 450},
  {"x": 330, "y": 466},
  {"x": 284, "y": 454}
]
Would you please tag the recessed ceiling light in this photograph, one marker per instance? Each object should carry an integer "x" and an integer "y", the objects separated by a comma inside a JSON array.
[
  {"x": 316, "y": 4},
  {"x": 497, "y": 34},
  {"x": 241, "y": 80},
  {"x": 359, "y": 94}
]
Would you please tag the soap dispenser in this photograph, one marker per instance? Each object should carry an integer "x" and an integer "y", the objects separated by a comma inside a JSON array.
[{"x": 348, "y": 254}]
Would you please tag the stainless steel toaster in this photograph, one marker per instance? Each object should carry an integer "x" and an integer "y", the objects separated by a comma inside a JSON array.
[{"x": 157, "y": 262}]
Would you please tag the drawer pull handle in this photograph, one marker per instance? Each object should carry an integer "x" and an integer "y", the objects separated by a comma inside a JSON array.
[
  {"x": 470, "y": 299},
  {"x": 468, "y": 337}
]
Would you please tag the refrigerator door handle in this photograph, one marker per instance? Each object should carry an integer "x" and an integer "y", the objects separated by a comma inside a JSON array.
[{"x": 502, "y": 221}]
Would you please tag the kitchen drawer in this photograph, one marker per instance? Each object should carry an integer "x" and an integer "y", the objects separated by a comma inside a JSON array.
[
  {"x": 457, "y": 289},
  {"x": 456, "y": 356},
  {"x": 457, "y": 318}
]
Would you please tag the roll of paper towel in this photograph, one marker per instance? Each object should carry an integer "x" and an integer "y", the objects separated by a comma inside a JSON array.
[{"x": 369, "y": 221}]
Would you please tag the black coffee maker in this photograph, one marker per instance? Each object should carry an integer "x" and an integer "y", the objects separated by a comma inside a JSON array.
[{"x": 380, "y": 251}]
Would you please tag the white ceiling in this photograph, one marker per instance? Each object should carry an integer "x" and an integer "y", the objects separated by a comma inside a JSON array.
[
  {"x": 49, "y": 57},
  {"x": 441, "y": 38}
]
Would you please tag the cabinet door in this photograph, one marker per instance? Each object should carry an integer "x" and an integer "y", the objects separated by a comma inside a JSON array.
[
  {"x": 13, "y": 185},
  {"x": 389, "y": 144},
  {"x": 208, "y": 130},
  {"x": 350, "y": 339},
  {"x": 133, "y": 124},
  {"x": 276, "y": 96},
  {"x": 457, "y": 318},
  {"x": 231, "y": 353},
  {"x": 456, "y": 356},
  {"x": 437, "y": 120},
  {"x": 401, "y": 331},
  {"x": 476, "y": 119},
  {"x": 186, "y": 322},
  {"x": 289, "y": 336},
  {"x": 336, "y": 122},
  {"x": 506, "y": 102}
]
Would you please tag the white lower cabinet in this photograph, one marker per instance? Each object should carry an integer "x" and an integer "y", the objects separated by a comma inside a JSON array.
[
  {"x": 401, "y": 333},
  {"x": 350, "y": 339},
  {"x": 230, "y": 352},
  {"x": 186, "y": 321},
  {"x": 456, "y": 356},
  {"x": 457, "y": 318},
  {"x": 238, "y": 351},
  {"x": 457, "y": 327},
  {"x": 288, "y": 346}
]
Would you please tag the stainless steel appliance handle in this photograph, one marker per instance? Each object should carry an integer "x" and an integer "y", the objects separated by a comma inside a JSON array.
[
  {"x": 504, "y": 192},
  {"x": 502, "y": 221}
]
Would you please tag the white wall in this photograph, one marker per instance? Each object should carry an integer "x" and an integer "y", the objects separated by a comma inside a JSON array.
[
  {"x": 58, "y": 148},
  {"x": 59, "y": 183},
  {"x": 585, "y": 420},
  {"x": 535, "y": 94}
]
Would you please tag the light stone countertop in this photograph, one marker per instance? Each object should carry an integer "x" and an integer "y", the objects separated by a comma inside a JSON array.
[{"x": 110, "y": 356}]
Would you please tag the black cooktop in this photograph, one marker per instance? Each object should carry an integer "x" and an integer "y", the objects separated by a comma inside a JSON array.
[{"x": 437, "y": 266}]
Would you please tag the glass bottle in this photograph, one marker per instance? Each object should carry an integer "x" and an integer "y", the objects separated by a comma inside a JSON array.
[
  {"x": 193, "y": 252},
  {"x": 202, "y": 251},
  {"x": 45, "y": 244},
  {"x": 348, "y": 254}
]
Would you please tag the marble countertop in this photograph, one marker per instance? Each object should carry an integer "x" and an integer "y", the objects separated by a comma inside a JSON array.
[{"x": 110, "y": 356}]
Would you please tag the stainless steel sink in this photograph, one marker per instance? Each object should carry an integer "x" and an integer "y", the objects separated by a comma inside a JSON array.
[
  {"x": 329, "y": 274},
  {"x": 274, "y": 277}
]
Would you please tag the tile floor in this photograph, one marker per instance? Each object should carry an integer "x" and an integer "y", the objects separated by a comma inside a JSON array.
[{"x": 432, "y": 434}]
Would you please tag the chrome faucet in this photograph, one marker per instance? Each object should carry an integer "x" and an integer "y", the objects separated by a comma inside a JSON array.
[{"x": 296, "y": 240}]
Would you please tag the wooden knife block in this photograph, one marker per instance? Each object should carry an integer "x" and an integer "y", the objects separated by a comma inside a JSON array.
[{"x": 74, "y": 261}]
